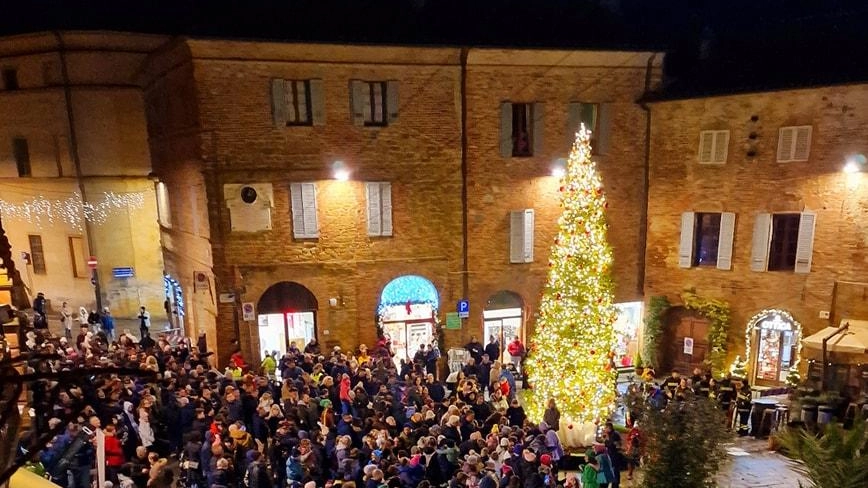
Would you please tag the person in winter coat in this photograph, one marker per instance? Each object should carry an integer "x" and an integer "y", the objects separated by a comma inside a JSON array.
[
  {"x": 552, "y": 416},
  {"x": 516, "y": 352},
  {"x": 294, "y": 468},
  {"x": 553, "y": 445},
  {"x": 493, "y": 349},
  {"x": 114, "y": 454},
  {"x": 257, "y": 474},
  {"x": 607, "y": 470},
  {"x": 591, "y": 470}
]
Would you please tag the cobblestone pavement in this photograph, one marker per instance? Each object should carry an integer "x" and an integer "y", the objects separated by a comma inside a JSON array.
[{"x": 751, "y": 465}]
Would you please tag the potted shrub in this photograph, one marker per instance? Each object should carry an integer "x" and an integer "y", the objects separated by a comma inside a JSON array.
[{"x": 837, "y": 459}]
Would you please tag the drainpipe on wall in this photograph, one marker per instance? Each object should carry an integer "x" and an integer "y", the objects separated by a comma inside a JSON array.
[
  {"x": 465, "y": 271},
  {"x": 76, "y": 159},
  {"x": 646, "y": 184}
]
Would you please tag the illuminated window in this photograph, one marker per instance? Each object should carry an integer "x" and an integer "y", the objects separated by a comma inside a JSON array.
[{"x": 776, "y": 349}]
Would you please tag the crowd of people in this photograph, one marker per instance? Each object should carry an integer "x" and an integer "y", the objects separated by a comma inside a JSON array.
[{"x": 311, "y": 417}]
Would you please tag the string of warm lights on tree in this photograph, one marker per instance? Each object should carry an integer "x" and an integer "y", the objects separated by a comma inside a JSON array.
[{"x": 569, "y": 353}]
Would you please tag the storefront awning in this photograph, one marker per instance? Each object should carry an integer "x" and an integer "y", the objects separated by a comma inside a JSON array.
[{"x": 854, "y": 340}]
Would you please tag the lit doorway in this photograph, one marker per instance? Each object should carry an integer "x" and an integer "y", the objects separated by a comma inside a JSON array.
[
  {"x": 503, "y": 318},
  {"x": 286, "y": 314},
  {"x": 775, "y": 337},
  {"x": 407, "y": 315}
]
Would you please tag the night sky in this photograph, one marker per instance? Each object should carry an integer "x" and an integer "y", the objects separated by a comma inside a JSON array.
[{"x": 712, "y": 45}]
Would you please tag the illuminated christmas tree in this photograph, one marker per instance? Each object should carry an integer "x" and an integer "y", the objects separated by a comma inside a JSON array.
[{"x": 569, "y": 352}]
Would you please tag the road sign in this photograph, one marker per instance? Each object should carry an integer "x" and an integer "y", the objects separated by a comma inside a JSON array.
[
  {"x": 123, "y": 272},
  {"x": 463, "y": 308},
  {"x": 453, "y": 321},
  {"x": 91, "y": 262}
]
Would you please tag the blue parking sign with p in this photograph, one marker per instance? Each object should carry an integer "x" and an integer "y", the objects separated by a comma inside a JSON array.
[{"x": 463, "y": 308}]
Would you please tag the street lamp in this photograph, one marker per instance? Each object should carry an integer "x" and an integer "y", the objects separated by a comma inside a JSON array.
[
  {"x": 854, "y": 164},
  {"x": 340, "y": 171},
  {"x": 559, "y": 168}
]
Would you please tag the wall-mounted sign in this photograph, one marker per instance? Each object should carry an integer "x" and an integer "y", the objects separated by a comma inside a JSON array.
[
  {"x": 463, "y": 308},
  {"x": 227, "y": 298},
  {"x": 453, "y": 321},
  {"x": 776, "y": 323},
  {"x": 688, "y": 345},
  {"x": 248, "y": 311},
  {"x": 123, "y": 272}
]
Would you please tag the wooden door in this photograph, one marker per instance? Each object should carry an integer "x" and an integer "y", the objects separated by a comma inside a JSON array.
[{"x": 680, "y": 325}]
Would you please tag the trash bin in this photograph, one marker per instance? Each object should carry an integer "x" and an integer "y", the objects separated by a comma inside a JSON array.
[
  {"x": 809, "y": 413},
  {"x": 825, "y": 414}
]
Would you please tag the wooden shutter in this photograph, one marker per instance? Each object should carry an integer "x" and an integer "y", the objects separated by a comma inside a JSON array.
[
  {"x": 297, "y": 210},
  {"x": 724, "y": 246},
  {"x": 805, "y": 242},
  {"x": 786, "y": 135},
  {"x": 706, "y": 146},
  {"x": 317, "y": 103},
  {"x": 759, "y": 253},
  {"x": 685, "y": 247},
  {"x": 278, "y": 102},
  {"x": 539, "y": 123},
  {"x": 802, "y": 143},
  {"x": 304, "y": 221},
  {"x": 721, "y": 146},
  {"x": 506, "y": 129},
  {"x": 359, "y": 99},
  {"x": 521, "y": 225},
  {"x": 375, "y": 224},
  {"x": 603, "y": 129},
  {"x": 386, "y": 208},
  {"x": 574, "y": 121},
  {"x": 308, "y": 201},
  {"x": 392, "y": 100}
]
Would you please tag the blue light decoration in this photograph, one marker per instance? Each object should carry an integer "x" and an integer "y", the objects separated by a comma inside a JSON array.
[
  {"x": 174, "y": 290},
  {"x": 408, "y": 288}
]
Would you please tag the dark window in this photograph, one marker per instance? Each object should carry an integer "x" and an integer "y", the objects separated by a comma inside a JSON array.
[
  {"x": 706, "y": 239},
  {"x": 589, "y": 116},
  {"x": 21, "y": 153},
  {"x": 521, "y": 129},
  {"x": 37, "y": 256},
  {"x": 298, "y": 102},
  {"x": 10, "y": 79},
  {"x": 375, "y": 111},
  {"x": 785, "y": 236}
]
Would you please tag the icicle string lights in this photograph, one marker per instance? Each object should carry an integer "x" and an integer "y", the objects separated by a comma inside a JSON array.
[{"x": 71, "y": 210}]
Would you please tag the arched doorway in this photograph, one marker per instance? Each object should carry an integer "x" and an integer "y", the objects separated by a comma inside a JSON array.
[
  {"x": 773, "y": 341},
  {"x": 286, "y": 313},
  {"x": 503, "y": 319},
  {"x": 686, "y": 338},
  {"x": 407, "y": 314},
  {"x": 174, "y": 303}
]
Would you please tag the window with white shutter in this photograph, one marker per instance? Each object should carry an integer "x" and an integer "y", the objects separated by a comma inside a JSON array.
[
  {"x": 805, "y": 242},
  {"x": 794, "y": 143},
  {"x": 759, "y": 253},
  {"x": 706, "y": 240},
  {"x": 713, "y": 146},
  {"x": 297, "y": 102},
  {"x": 521, "y": 236},
  {"x": 379, "y": 200},
  {"x": 304, "y": 220},
  {"x": 374, "y": 103}
]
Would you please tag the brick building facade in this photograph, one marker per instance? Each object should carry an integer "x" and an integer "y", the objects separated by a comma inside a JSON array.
[
  {"x": 748, "y": 204},
  {"x": 249, "y": 138}
]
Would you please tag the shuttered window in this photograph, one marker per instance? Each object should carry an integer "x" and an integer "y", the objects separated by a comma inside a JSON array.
[
  {"x": 521, "y": 224},
  {"x": 783, "y": 242},
  {"x": 37, "y": 255},
  {"x": 522, "y": 128},
  {"x": 374, "y": 103},
  {"x": 78, "y": 256},
  {"x": 297, "y": 102},
  {"x": 595, "y": 117},
  {"x": 794, "y": 143},
  {"x": 713, "y": 146},
  {"x": 379, "y": 200},
  {"x": 706, "y": 240},
  {"x": 304, "y": 218}
]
